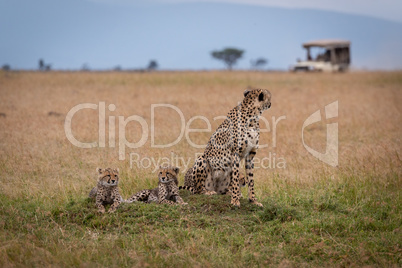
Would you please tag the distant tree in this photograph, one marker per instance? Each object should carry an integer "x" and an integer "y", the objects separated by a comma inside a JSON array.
[
  {"x": 44, "y": 67},
  {"x": 6, "y": 67},
  {"x": 41, "y": 66},
  {"x": 258, "y": 63},
  {"x": 152, "y": 65},
  {"x": 117, "y": 68},
  {"x": 228, "y": 55},
  {"x": 85, "y": 67}
]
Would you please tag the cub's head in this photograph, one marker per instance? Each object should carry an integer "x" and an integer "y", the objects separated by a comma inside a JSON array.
[
  {"x": 242, "y": 180},
  {"x": 108, "y": 176},
  {"x": 259, "y": 99},
  {"x": 168, "y": 174}
]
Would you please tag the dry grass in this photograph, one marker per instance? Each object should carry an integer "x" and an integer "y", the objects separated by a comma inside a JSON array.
[{"x": 38, "y": 161}]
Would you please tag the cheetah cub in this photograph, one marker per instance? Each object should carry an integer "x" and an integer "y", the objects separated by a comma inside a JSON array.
[
  {"x": 167, "y": 191},
  {"x": 106, "y": 192}
]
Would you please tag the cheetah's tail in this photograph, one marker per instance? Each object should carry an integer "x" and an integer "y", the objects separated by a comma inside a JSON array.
[
  {"x": 92, "y": 193},
  {"x": 188, "y": 188}
]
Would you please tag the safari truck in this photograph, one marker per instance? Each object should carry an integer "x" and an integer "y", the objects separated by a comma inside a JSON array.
[{"x": 325, "y": 56}]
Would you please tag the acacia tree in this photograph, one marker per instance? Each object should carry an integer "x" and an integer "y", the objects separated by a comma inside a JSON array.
[
  {"x": 6, "y": 67},
  {"x": 152, "y": 65},
  {"x": 258, "y": 63},
  {"x": 228, "y": 55}
]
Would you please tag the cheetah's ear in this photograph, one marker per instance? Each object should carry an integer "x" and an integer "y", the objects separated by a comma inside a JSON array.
[
  {"x": 99, "y": 170},
  {"x": 117, "y": 170},
  {"x": 176, "y": 169},
  {"x": 261, "y": 97},
  {"x": 246, "y": 92}
]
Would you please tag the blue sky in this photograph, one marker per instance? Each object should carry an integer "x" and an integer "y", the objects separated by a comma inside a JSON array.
[
  {"x": 385, "y": 9},
  {"x": 181, "y": 34}
]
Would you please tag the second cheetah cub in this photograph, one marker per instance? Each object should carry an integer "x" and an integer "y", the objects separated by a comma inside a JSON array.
[{"x": 167, "y": 191}]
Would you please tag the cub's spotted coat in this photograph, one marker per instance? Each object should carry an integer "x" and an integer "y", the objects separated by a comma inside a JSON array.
[
  {"x": 167, "y": 191},
  {"x": 106, "y": 192},
  {"x": 222, "y": 184}
]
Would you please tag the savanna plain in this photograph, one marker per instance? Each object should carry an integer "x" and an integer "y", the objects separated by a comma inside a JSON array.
[{"x": 314, "y": 214}]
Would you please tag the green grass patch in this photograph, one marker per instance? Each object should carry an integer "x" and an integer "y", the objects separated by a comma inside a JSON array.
[{"x": 344, "y": 224}]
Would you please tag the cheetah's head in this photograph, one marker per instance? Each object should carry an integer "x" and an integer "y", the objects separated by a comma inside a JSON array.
[
  {"x": 108, "y": 176},
  {"x": 168, "y": 174},
  {"x": 258, "y": 99}
]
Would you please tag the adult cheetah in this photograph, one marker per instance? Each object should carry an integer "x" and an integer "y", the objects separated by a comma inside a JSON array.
[{"x": 235, "y": 139}]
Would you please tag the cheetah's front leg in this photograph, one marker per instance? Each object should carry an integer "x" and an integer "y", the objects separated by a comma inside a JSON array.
[
  {"x": 249, "y": 178},
  {"x": 116, "y": 201},
  {"x": 168, "y": 202},
  {"x": 176, "y": 197},
  {"x": 99, "y": 203},
  {"x": 235, "y": 187},
  {"x": 162, "y": 193}
]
